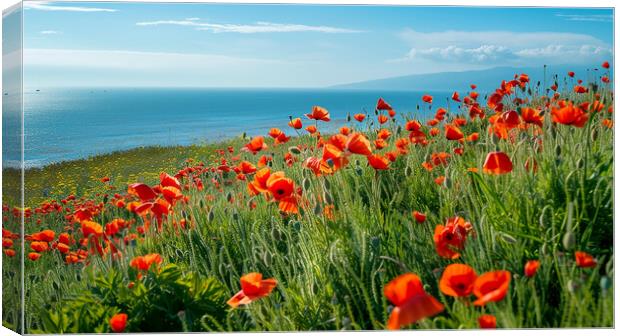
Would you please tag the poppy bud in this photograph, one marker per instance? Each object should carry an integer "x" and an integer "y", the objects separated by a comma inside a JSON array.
[
  {"x": 508, "y": 238},
  {"x": 558, "y": 150},
  {"x": 327, "y": 184},
  {"x": 407, "y": 171},
  {"x": 327, "y": 198},
  {"x": 580, "y": 163},
  {"x": 358, "y": 171},
  {"x": 294, "y": 150},
  {"x": 267, "y": 258},
  {"x": 318, "y": 210},
  {"x": 297, "y": 226},
  {"x": 348, "y": 117},
  {"x": 605, "y": 284},
  {"x": 447, "y": 182},
  {"x": 235, "y": 215},
  {"x": 211, "y": 216},
  {"x": 569, "y": 240},
  {"x": 275, "y": 234},
  {"x": 306, "y": 184},
  {"x": 594, "y": 134},
  {"x": 375, "y": 242},
  {"x": 572, "y": 286},
  {"x": 229, "y": 197}
]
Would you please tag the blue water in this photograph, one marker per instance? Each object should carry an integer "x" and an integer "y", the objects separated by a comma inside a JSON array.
[{"x": 67, "y": 124}]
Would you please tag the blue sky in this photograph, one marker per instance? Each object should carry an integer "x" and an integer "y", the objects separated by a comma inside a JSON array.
[{"x": 149, "y": 44}]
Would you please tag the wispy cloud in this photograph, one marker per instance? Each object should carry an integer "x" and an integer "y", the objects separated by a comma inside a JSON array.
[
  {"x": 258, "y": 27},
  {"x": 49, "y": 32},
  {"x": 592, "y": 17},
  {"x": 503, "y": 47},
  {"x": 51, "y": 6}
]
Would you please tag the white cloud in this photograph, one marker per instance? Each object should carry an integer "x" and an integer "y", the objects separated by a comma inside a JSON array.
[
  {"x": 592, "y": 18},
  {"x": 49, "y": 32},
  {"x": 50, "y": 6},
  {"x": 258, "y": 27},
  {"x": 493, "y": 48}
]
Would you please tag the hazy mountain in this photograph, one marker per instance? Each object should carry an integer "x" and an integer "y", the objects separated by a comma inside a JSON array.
[{"x": 486, "y": 80}]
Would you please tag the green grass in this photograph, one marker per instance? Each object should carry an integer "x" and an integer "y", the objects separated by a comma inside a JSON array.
[{"x": 331, "y": 271}]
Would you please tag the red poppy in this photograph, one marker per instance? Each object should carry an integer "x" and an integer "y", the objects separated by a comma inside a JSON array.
[
  {"x": 382, "y": 105},
  {"x": 45, "y": 235},
  {"x": 253, "y": 287},
  {"x": 453, "y": 132},
  {"x": 571, "y": 74},
  {"x": 118, "y": 323},
  {"x": 450, "y": 238},
  {"x": 256, "y": 145},
  {"x": 580, "y": 89},
  {"x": 295, "y": 123},
  {"x": 457, "y": 280},
  {"x": 378, "y": 162},
  {"x": 166, "y": 180},
  {"x": 142, "y": 191},
  {"x": 9, "y": 252},
  {"x": 605, "y": 65},
  {"x": 274, "y": 132},
  {"x": 497, "y": 163},
  {"x": 569, "y": 115},
  {"x": 411, "y": 302},
  {"x": 33, "y": 256},
  {"x": 487, "y": 322},
  {"x": 455, "y": 96},
  {"x": 357, "y": 143},
  {"x": 359, "y": 117},
  {"x": 419, "y": 217},
  {"x": 311, "y": 129},
  {"x": 491, "y": 287},
  {"x": 318, "y": 113},
  {"x": 531, "y": 116},
  {"x": 384, "y": 134},
  {"x": 143, "y": 263},
  {"x": 584, "y": 260},
  {"x": 62, "y": 248},
  {"x": 39, "y": 246},
  {"x": 531, "y": 267},
  {"x": 382, "y": 119},
  {"x": 91, "y": 228},
  {"x": 412, "y": 125},
  {"x": 427, "y": 99},
  {"x": 344, "y": 130},
  {"x": 280, "y": 187}
]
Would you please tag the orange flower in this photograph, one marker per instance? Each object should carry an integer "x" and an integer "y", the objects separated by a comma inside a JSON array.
[
  {"x": 166, "y": 180},
  {"x": 531, "y": 267},
  {"x": 455, "y": 96},
  {"x": 318, "y": 166},
  {"x": 382, "y": 119},
  {"x": 9, "y": 252},
  {"x": 311, "y": 129},
  {"x": 39, "y": 246},
  {"x": 344, "y": 130},
  {"x": 412, "y": 125},
  {"x": 450, "y": 238},
  {"x": 33, "y": 256},
  {"x": 473, "y": 137},
  {"x": 580, "y": 89},
  {"x": 45, "y": 235},
  {"x": 256, "y": 145},
  {"x": 487, "y": 322},
  {"x": 411, "y": 302},
  {"x": 295, "y": 123},
  {"x": 358, "y": 144},
  {"x": 453, "y": 132},
  {"x": 384, "y": 134},
  {"x": 280, "y": 187},
  {"x": 318, "y": 113},
  {"x": 253, "y": 287},
  {"x": 419, "y": 217},
  {"x": 62, "y": 248},
  {"x": 427, "y": 99},
  {"x": 91, "y": 228},
  {"x": 383, "y": 105},
  {"x": 457, "y": 280},
  {"x": 118, "y": 323},
  {"x": 434, "y": 131},
  {"x": 142, "y": 191},
  {"x": 246, "y": 167},
  {"x": 275, "y": 132},
  {"x": 378, "y": 162},
  {"x": 143, "y": 263},
  {"x": 531, "y": 116},
  {"x": 497, "y": 163},
  {"x": 491, "y": 287},
  {"x": 584, "y": 259},
  {"x": 569, "y": 115},
  {"x": 440, "y": 180},
  {"x": 359, "y": 117}
]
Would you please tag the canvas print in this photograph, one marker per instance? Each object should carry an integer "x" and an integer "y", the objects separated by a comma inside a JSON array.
[{"x": 205, "y": 167}]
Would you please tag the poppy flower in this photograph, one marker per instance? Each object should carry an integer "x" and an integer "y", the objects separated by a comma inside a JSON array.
[
  {"x": 412, "y": 125},
  {"x": 472, "y": 137},
  {"x": 39, "y": 246},
  {"x": 142, "y": 191},
  {"x": 256, "y": 145},
  {"x": 118, "y": 323},
  {"x": 91, "y": 228},
  {"x": 357, "y": 143},
  {"x": 531, "y": 267},
  {"x": 450, "y": 238},
  {"x": 434, "y": 131},
  {"x": 280, "y": 187},
  {"x": 457, "y": 280},
  {"x": 605, "y": 79},
  {"x": 605, "y": 65},
  {"x": 380, "y": 143},
  {"x": 382, "y": 119},
  {"x": 419, "y": 217},
  {"x": 440, "y": 180},
  {"x": 580, "y": 89},
  {"x": 453, "y": 132},
  {"x": 411, "y": 302},
  {"x": 378, "y": 162},
  {"x": 143, "y": 263},
  {"x": 531, "y": 116},
  {"x": 569, "y": 115},
  {"x": 311, "y": 129},
  {"x": 318, "y": 166},
  {"x": 246, "y": 167},
  {"x": 359, "y": 117},
  {"x": 384, "y": 134},
  {"x": 440, "y": 114},
  {"x": 275, "y": 132},
  {"x": 487, "y": 322},
  {"x": 9, "y": 252},
  {"x": 382, "y": 105},
  {"x": 318, "y": 113},
  {"x": 62, "y": 248},
  {"x": 491, "y": 287},
  {"x": 45, "y": 235},
  {"x": 455, "y": 96},
  {"x": 584, "y": 260},
  {"x": 571, "y": 74},
  {"x": 33, "y": 256},
  {"x": 427, "y": 99},
  {"x": 344, "y": 130},
  {"x": 253, "y": 287},
  {"x": 166, "y": 180},
  {"x": 7, "y": 243},
  {"x": 281, "y": 139},
  {"x": 295, "y": 123},
  {"x": 497, "y": 163}
]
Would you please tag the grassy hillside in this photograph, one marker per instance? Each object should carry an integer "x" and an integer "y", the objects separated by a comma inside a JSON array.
[{"x": 336, "y": 229}]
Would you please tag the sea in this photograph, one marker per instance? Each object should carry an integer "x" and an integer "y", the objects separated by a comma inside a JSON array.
[{"x": 72, "y": 123}]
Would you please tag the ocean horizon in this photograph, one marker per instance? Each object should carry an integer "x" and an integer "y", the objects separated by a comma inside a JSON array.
[{"x": 64, "y": 124}]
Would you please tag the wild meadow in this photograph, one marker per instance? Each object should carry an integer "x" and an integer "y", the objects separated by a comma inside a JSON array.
[{"x": 486, "y": 210}]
